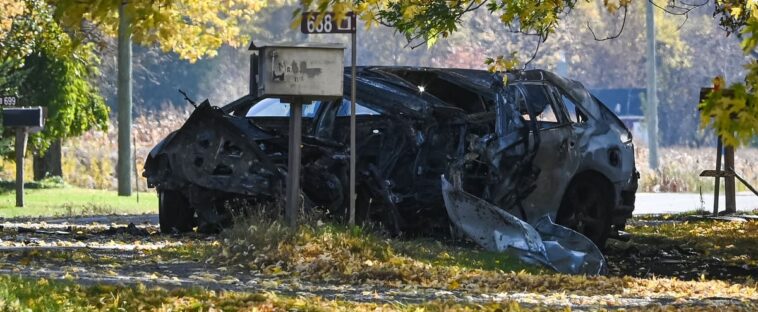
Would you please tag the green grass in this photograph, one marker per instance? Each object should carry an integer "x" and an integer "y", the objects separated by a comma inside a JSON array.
[
  {"x": 469, "y": 256},
  {"x": 73, "y": 201}
]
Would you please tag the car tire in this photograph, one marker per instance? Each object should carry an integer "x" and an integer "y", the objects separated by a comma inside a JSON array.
[
  {"x": 586, "y": 208},
  {"x": 174, "y": 212}
]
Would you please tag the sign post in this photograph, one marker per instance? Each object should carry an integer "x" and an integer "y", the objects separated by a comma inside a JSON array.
[
  {"x": 293, "y": 165},
  {"x": 329, "y": 25},
  {"x": 297, "y": 74},
  {"x": 24, "y": 120},
  {"x": 21, "y": 137},
  {"x": 729, "y": 174}
]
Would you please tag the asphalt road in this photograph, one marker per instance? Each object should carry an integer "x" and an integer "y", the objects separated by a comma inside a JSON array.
[{"x": 653, "y": 203}]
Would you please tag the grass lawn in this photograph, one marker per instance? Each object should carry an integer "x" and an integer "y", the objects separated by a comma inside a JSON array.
[{"x": 73, "y": 201}]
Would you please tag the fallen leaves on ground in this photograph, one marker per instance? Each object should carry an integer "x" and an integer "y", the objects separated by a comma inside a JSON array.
[
  {"x": 354, "y": 264},
  {"x": 736, "y": 242},
  {"x": 19, "y": 294},
  {"x": 351, "y": 255}
]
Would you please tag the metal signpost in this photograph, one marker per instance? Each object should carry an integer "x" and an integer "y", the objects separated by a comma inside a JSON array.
[
  {"x": 297, "y": 74},
  {"x": 24, "y": 120},
  {"x": 310, "y": 24}
]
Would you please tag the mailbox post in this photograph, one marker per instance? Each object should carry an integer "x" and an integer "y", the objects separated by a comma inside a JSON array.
[
  {"x": 24, "y": 120},
  {"x": 297, "y": 74},
  {"x": 21, "y": 136}
]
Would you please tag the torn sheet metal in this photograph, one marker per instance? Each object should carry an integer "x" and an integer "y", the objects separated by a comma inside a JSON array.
[{"x": 557, "y": 247}]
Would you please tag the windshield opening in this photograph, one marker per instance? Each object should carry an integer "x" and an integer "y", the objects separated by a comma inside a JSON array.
[{"x": 275, "y": 108}]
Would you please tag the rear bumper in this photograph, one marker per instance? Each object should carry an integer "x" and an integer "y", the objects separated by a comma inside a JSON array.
[{"x": 626, "y": 195}]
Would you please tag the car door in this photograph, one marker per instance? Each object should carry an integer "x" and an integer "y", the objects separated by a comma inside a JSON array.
[{"x": 556, "y": 157}]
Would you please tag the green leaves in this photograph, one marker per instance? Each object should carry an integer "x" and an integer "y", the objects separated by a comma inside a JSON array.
[
  {"x": 45, "y": 67},
  {"x": 733, "y": 117},
  {"x": 502, "y": 63},
  {"x": 63, "y": 85}
]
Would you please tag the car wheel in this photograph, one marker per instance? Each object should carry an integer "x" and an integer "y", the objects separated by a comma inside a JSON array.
[
  {"x": 586, "y": 209},
  {"x": 174, "y": 212}
]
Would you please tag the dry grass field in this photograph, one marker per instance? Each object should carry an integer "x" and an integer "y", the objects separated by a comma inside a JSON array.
[{"x": 680, "y": 169}]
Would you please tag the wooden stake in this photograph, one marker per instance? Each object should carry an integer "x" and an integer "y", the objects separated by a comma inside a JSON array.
[
  {"x": 729, "y": 183},
  {"x": 719, "y": 150}
]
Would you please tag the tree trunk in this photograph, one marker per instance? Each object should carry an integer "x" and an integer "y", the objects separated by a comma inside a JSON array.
[{"x": 50, "y": 164}]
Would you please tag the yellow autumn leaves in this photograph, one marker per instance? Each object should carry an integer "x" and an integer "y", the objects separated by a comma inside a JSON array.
[
  {"x": 345, "y": 255},
  {"x": 9, "y": 9},
  {"x": 613, "y": 6},
  {"x": 734, "y": 242},
  {"x": 734, "y": 116},
  {"x": 193, "y": 29}
]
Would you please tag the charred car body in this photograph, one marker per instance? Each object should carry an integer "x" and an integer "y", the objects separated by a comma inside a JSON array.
[{"x": 538, "y": 145}]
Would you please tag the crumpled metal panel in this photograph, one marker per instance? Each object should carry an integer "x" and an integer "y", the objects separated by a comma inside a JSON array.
[
  {"x": 557, "y": 247},
  {"x": 569, "y": 251}
]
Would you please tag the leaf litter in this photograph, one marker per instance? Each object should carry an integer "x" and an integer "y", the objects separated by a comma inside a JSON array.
[{"x": 358, "y": 265}]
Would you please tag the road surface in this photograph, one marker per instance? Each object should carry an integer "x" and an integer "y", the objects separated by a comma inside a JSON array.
[{"x": 653, "y": 203}]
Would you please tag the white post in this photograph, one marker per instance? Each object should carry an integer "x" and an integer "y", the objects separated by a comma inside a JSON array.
[{"x": 652, "y": 91}]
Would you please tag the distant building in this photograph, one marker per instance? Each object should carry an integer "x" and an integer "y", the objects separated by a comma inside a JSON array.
[{"x": 627, "y": 104}]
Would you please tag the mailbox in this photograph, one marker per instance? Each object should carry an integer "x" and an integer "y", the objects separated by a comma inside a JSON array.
[
  {"x": 24, "y": 120},
  {"x": 304, "y": 72},
  {"x": 30, "y": 117}
]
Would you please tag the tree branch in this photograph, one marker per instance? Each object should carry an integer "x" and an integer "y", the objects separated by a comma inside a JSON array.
[{"x": 623, "y": 23}]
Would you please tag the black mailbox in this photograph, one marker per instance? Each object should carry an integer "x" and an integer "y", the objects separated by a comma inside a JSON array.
[{"x": 22, "y": 117}]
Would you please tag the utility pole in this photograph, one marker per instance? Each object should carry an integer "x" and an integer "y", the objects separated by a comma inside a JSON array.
[
  {"x": 124, "y": 166},
  {"x": 652, "y": 91}
]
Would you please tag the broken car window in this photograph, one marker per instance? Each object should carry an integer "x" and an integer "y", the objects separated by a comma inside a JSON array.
[
  {"x": 539, "y": 101},
  {"x": 575, "y": 114},
  {"x": 360, "y": 110},
  {"x": 275, "y": 108}
]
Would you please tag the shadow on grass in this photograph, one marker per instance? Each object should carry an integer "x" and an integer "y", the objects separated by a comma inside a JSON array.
[
  {"x": 7, "y": 186},
  {"x": 688, "y": 250}
]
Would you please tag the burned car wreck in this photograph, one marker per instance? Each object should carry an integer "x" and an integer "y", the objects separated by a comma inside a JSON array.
[{"x": 438, "y": 149}]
